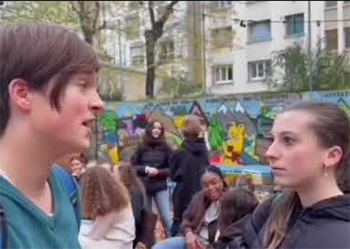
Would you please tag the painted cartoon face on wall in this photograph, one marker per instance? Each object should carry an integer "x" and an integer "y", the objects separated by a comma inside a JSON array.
[
  {"x": 236, "y": 143},
  {"x": 232, "y": 144}
]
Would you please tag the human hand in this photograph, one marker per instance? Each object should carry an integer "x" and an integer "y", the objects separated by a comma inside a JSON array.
[
  {"x": 152, "y": 171},
  {"x": 192, "y": 241},
  {"x": 140, "y": 245}
]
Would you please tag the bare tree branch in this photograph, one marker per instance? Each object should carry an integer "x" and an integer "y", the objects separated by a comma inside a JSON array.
[
  {"x": 103, "y": 26},
  {"x": 167, "y": 12},
  {"x": 74, "y": 8},
  {"x": 151, "y": 13},
  {"x": 96, "y": 12}
]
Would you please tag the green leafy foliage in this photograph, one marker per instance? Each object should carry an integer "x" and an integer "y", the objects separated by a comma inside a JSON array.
[
  {"x": 58, "y": 12},
  {"x": 291, "y": 70},
  {"x": 177, "y": 88}
]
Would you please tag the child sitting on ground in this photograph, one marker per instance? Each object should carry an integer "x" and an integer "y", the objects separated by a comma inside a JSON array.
[{"x": 236, "y": 206}]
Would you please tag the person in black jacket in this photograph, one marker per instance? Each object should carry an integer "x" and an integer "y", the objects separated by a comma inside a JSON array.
[
  {"x": 236, "y": 206},
  {"x": 187, "y": 166},
  {"x": 310, "y": 149},
  {"x": 151, "y": 161}
]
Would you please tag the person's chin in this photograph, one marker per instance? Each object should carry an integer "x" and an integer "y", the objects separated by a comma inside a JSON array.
[
  {"x": 214, "y": 197},
  {"x": 282, "y": 182},
  {"x": 83, "y": 146}
]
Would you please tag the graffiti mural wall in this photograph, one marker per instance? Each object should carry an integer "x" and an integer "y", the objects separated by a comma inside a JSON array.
[{"x": 237, "y": 127}]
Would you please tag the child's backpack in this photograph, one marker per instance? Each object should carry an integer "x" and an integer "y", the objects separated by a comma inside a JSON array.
[{"x": 72, "y": 188}]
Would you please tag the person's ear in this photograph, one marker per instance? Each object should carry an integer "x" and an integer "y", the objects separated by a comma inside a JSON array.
[
  {"x": 332, "y": 156},
  {"x": 20, "y": 94}
]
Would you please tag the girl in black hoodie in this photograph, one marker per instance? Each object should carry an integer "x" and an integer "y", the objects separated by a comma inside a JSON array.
[
  {"x": 187, "y": 166},
  {"x": 310, "y": 149},
  {"x": 151, "y": 161}
]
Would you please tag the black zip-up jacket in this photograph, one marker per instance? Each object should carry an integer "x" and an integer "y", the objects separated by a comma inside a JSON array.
[
  {"x": 326, "y": 224},
  {"x": 232, "y": 237},
  {"x": 187, "y": 166},
  {"x": 156, "y": 156}
]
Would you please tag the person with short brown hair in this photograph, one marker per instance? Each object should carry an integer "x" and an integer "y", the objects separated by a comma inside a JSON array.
[
  {"x": 48, "y": 103},
  {"x": 187, "y": 166}
]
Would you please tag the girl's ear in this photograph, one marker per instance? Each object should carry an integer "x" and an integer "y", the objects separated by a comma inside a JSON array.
[{"x": 333, "y": 156}]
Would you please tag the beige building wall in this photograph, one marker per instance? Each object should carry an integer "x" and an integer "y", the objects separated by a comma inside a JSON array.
[{"x": 128, "y": 81}]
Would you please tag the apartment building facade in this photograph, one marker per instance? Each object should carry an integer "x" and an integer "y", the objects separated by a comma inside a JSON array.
[
  {"x": 260, "y": 30},
  {"x": 337, "y": 33},
  {"x": 230, "y": 44}
]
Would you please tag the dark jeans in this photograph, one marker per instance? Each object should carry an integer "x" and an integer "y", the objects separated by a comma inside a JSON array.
[{"x": 175, "y": 228}]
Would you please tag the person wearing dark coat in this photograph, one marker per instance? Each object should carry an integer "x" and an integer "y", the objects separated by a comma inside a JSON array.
[
  {"x": 187, "y": 166},
  {"x": 236, "y": 207},
  {"x": 310, "y": 149},
  {"x": 325, "y": 224},
  {"x": 151, "y": 161}
]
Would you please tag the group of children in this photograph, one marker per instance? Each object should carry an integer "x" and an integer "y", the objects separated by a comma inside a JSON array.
[
  {"x": 115, "y": 208},
  {"x": 48, "y": 103}
]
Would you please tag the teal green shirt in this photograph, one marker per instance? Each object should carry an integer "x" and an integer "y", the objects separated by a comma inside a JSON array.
[{"x": 30, "y": 228}]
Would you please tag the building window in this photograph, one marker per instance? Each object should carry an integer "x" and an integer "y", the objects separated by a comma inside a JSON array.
[
  {"x": 295, "y": 24},
  {"x": 259, "y": 70},
  {"x": 137, "y": 56},
  {"x": 259, "y": 31},
  {"x": 166, "y": 54},
  {"x": 222, "y": 37},
  {"x": 132, "y": 26},
  {"x": 330, "y": 4},
  {"x": 347, "y": 37},
  {"x": 332, "y": 39},
  {"x": 223, "y": 4},
  {"x": 223, "y": 74}
]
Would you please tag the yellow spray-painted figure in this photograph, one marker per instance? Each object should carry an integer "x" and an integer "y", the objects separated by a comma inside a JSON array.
[{"x": 233, "y": 149}]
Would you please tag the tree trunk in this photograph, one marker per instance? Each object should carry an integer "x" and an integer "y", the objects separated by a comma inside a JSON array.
[
  {"x": 89, "y": 38},
  {"x": 150, "y": 49}
]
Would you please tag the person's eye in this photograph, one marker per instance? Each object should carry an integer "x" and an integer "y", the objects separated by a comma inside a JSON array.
[
  {"x": 269, "y": 139},
  {"x": 288, "y": 140},
  {"x": 214, "y": 182},
  {"x": 83, "y": 84}
]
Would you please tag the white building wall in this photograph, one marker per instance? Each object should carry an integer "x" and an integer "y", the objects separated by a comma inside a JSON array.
[
  {"x": 245, "y": 52},
  {"x": 341, "y": 11}
]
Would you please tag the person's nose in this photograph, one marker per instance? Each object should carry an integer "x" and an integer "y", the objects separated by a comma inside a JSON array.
[
  {"x": 272, "y": 152},
  {"x": 97, "y": 105}
]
